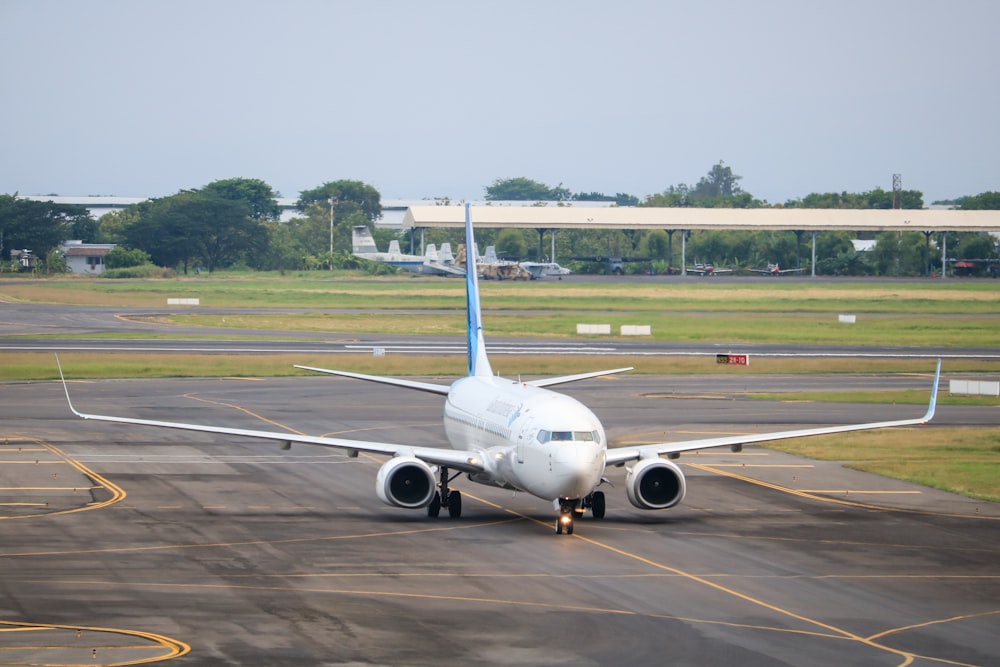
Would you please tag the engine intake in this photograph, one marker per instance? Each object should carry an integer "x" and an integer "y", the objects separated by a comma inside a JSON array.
[
  {"x": 655, "y": 484},
  {"x": 405, "y": 481}
]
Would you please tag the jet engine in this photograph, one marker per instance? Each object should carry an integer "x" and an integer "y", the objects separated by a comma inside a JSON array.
[
  {"x": 655, "y": 484},
  {"x": 405, "y": 481}
]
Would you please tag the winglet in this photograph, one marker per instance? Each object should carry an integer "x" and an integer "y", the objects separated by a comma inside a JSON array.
[
  {"x": 66, "y": 389},
  {"x": 479, "y": 364},
  {"x": 929, "y": 415}
]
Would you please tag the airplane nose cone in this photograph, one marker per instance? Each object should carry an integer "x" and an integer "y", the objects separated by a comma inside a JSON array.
[{"x": 578, "y": 469}]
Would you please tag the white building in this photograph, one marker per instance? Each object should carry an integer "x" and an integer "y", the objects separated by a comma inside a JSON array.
[{"x": 85, "y": 257}]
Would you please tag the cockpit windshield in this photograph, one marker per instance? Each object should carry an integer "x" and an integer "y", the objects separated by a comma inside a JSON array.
[{"x": 568, "y": 436}]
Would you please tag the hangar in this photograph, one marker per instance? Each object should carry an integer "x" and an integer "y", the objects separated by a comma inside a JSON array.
[{"x": 799, "y": 220}]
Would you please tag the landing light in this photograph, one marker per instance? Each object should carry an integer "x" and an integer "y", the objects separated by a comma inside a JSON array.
[{"x": 566, "y": 519}]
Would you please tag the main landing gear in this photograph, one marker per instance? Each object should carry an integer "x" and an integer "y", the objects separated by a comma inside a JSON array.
[
  {"x": 452, "y": 500},
  {"x": 570, "y": 509}
]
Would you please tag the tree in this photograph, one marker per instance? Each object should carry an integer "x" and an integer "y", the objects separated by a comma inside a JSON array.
[
  {"x": 41, "y": 226},
  {"x": 255, "y": 193},
  {"x": 511, "y": 244},
  {"x": 121, "y": 257},
  {"x": 983, "y": 201},
  {"x": 720, "y": 181},
  {"x": 195, "y": 225},
  {"x": 525, "y": 189},
  {"x": 349, "y": 196},
  {"x": 877, "y": 198}
]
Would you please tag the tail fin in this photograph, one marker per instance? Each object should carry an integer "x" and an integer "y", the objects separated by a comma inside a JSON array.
[
  {"x": 362, "y": 241},
  {"x": 478, "y": 363}
]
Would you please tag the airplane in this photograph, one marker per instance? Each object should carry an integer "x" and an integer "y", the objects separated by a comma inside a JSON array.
[
  {"x": 431, "y": 263},
  {"x": 489, "y": 266},
  {"x": 775, "y": 270},
  {"x": 706, "y": 269},
  {"x": 516, "y": 435},
  {"x": 545, "y": 269}
]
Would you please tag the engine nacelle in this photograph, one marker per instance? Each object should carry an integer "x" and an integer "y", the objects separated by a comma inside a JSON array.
[
  {"x": 655, "y": 484},
  {"x": 405, "y": 481}
]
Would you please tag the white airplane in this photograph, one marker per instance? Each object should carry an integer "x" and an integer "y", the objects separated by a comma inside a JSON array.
[
  {"x": 516, "y": 435},
  {"x": 545, "y": 269},
  {"x": 431, "y": 263}
]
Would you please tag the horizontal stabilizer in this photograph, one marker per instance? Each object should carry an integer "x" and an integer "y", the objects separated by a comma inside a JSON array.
[
  {"x": 398, "y": 382},
  {"x": 563, "y": 379}
]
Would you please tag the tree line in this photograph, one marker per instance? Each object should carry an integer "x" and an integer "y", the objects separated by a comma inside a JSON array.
[{"x": 236, "y": 223}]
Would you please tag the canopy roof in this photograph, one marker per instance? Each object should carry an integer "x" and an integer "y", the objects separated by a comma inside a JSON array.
[{"x": 797, "y": 219}]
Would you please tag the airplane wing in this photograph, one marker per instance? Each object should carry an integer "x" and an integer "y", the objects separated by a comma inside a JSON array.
[
  {"x": 465, "y": 461},
  {"x": 446, "y": 269},
  {"x": 548, "y": 382},
  {"x": 626, "y": 454}
]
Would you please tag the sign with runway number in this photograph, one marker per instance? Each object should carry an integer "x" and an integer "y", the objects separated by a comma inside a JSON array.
[{"x": 733, "y": 359}]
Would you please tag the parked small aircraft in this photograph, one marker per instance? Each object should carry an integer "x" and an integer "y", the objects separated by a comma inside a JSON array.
[
  {"x": 775, "y": 270},
  {"x": 706, "y": 269},
  {"x": 431, "y": 263},
  {"x": 491, "y": 267},
  {"x": 516, "y": 435},
  {"x": 545, "y": 269}
]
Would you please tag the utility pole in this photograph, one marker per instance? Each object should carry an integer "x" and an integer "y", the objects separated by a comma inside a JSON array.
[{"x": 332, "y": 200}]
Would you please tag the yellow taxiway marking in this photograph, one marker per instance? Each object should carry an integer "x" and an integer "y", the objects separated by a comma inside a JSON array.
[
  {"x": 82, "y": 636},
  {"x": 830, "y": 630},
  {"x": 762, "y": 465},
  {"x": 117, "y": 493},
  {"x": 860, "y": 491},
  {"x": 711, "y": 467}
]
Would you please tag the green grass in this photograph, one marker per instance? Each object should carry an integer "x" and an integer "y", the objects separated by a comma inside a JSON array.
[
  {"x": 404, "y": 292},
  {"x": 960, "y": 460}
]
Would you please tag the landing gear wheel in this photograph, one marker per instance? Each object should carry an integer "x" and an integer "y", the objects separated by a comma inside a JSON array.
[
  {"x": 559, "y": 526},
  {"x": 597, "y": 505},
  {"x": 454, "y": 504},
  {"x": 434, "y": 509},
  {"x": 564, "y": 524}
]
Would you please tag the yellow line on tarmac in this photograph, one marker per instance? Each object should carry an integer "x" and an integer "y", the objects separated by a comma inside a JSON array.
[
  {"x": 117, "y": 493},
  {"x": 762, "y": 465},
  {"x": 860, "y": 491},
  {"x": 837, "y": 501},
  {"x": 172, "y": 647},
  {"x": 832, "y": 631}
]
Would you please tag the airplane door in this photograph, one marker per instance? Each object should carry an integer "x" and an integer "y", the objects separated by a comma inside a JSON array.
[{"x": 528, "y": 431}]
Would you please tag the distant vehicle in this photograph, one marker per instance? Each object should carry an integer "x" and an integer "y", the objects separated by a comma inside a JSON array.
[
  {"x": 431, "y": 263},
  {"x": 706, "y": 269},
  {"x": 775, "y": 270}
]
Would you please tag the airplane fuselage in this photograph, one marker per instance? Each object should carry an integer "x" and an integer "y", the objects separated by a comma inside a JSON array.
[{"x": 531, "y": 439}]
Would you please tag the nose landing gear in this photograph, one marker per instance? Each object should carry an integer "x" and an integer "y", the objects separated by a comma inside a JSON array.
[{"x": 564, "y": 523}]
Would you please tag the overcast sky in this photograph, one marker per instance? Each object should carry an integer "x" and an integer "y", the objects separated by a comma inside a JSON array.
[{"x": 439, "y": 98}]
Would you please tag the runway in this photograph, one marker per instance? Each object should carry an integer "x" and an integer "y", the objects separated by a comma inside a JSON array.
[{"x": 139, "y": 543}]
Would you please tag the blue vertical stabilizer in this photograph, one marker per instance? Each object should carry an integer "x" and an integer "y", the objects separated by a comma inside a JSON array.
[{"x": 478, "y": 363}]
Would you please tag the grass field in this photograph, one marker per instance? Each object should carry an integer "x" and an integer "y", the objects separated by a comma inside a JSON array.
[{"x": 952, "y": 313}]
